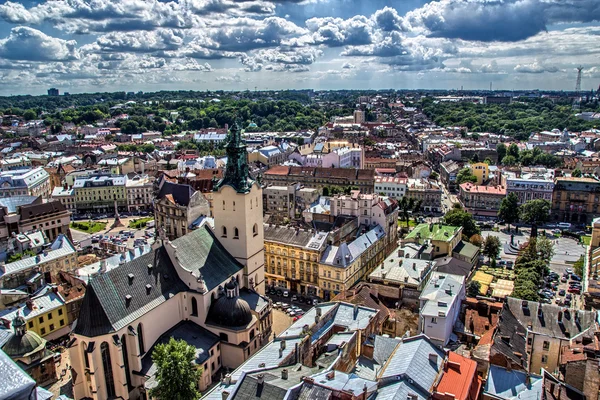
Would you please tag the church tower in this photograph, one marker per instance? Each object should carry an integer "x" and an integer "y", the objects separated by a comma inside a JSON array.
[{"x": 238, "y": 213}]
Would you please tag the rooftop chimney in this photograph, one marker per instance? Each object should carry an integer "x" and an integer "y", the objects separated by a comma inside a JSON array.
[{"x": 284, "y": 373}]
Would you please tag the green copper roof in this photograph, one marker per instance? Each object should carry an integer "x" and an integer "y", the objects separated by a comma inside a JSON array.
[
  {"x": 236, "y": 172},
  {"x": 433, "y": 232}
]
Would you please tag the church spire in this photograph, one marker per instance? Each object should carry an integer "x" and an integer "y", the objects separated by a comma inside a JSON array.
[{"x": 236, "y": 171}]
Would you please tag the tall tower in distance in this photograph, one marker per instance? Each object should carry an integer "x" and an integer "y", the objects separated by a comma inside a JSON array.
[
  {"x": 238, "y": 212},
  {"x": 578, "y": 84}
]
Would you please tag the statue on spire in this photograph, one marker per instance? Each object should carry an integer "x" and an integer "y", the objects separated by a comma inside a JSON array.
[{"x": 236, "y": 172}]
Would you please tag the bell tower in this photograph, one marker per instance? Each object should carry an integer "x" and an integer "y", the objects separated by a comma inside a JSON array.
[{"x": 238, "y": 212}]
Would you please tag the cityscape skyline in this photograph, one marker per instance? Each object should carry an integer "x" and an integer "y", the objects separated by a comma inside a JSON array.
[{"x": 101, "y": 45}]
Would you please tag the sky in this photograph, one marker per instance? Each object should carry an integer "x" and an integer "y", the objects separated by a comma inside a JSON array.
[{"x": 150, "y": 45}]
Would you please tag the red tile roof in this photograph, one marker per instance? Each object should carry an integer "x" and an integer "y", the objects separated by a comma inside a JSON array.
[
  {"x": 278, "y": 170},
  {"x": 459, "y": 379}
]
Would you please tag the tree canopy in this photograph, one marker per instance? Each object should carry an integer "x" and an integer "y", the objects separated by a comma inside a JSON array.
[
  {"x": 535, "y": 211},
  {"x": 509, "y": 209},
  {"x": 491, "y": 246},
  {"x": 176, "y": 372},
  {"x": 465, "y": 175},
  {"x": 459, "y": 217}
]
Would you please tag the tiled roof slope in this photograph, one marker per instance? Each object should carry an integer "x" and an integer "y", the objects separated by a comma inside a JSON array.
[
  {"x": 105, "y": 308},
  {"x": 201, "y": 251}
]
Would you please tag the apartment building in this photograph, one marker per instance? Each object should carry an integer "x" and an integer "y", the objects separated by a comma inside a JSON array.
[
  {"x": 344, "y": 265},
  {"x": 481, "y": 171},
  {"x": 25, "y": 182},
  {"x": 176, "y": 207},
  {"x": 23, "y": 214},
  {"x": 529, "y": 186},
  {"x": 393, "y": 187},
  {"x": 100, "y": 192},
  {"x": 45, "y": 265},
  {"x": 481, "y": 200},
  {"x": 575, "y": 200},
  {"x": 371, "y": 210},
  {"x": 292, "y": 258},
  {"x": 139, "y": 190},
  {"x": 320, "y": 178},
  {"x": 428, "y": 192}
]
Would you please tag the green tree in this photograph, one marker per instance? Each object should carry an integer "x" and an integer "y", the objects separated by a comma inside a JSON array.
[
  {"x": 488, "y": 161},
  {"x": 176, "y": 372},
  {"x": 491, "y": 247},
  {"x": 476, "y": 240},
  {"x": 29, "y": 115},
  {"x": 513, "y": 150},
  {"x": 465, "y": 175},
  {"x": 501, "y": 150},
  {"x": 473, "y": 289},
  {"x": 526, "y": 290},
  {"x": 578, "y": 266},
  {"x": 545, "y": 248},
  {"x": 509, "y": 209},
  {"x": 407, "y": 206},
  {"x": 535, "y": 211},
  {"x": 434, "y": 175},
  {"x": 576, "y": 173},
  {"x": 509, "y": 161},
  {"x": 459, "y": 217}
]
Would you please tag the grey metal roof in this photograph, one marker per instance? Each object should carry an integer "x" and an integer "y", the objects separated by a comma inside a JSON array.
[
  {"x": 345, "y": 382},
  {"x": 193, "y": 334},
  {"x": 11, "y": 203},
  {"x": 411, "y": 361},
  {"x": 345, "y": 254},
  {"x": 267, "y": 357},
  {"x": 573, "y": 322},
  {"x": 295, "y": 237},
  {"x": 406, "y": 271},
  {"x": 60, "y": 248},
  {"x": 441, "y": 292},
  {"x": 383, "y": 347},
  {"x": 513, "y": 384},
  {"x": 200, "y": 252},
  {"x": 105, "y": 309},
  {"x": 400, "y": 391},
  {"x": 15, "y": 384}
]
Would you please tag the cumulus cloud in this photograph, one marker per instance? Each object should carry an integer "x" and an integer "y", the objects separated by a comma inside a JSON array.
[
  {"x": 141, "y": 41},
  {"x": 331, "y": 31},
  {"x": 535, "y": 67},
  {"x": 292, "y": 60},
  {"x": 387, "y": 19},
  {"x": 24, "y": 43},
  {"x": 498, "y": 20}
]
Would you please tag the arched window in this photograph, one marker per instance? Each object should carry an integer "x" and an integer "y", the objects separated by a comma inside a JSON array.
[
  {"x": 255, "y": 230},
  {"x": 140, "y": 336},
  {"x": 223, "y": 204},
  {"x": 194, "y": 307},
  {"x": 224, "y": 232},
  {"x": 108, "y": 372},
  {"x": 126, "y": 361},
  {"x": 234, "y": 206},
  {"x": 236, "y": 233},
  {"x": 86, "y": 357}
]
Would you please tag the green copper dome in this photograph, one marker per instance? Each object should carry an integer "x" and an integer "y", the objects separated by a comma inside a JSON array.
[{"x": 23, "y": 345}]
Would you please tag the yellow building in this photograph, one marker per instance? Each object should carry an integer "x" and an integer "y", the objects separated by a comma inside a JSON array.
[
  {"x": 98, "y": 193},
  {"x": 291, "y": 258},
  {"x": 344, "y": 265},
  {"x": 481, "y": 171},
  {"x": 45, "y": 314}
]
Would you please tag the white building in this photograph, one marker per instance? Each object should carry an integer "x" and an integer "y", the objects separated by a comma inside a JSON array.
[
  {"x": 529, "y": 186},
  {"x": 440, "y": 305},
  {"x": 390, "y": 186},
  {"x": 139, "y": 190},
  {"x": 25, "y": 182}
]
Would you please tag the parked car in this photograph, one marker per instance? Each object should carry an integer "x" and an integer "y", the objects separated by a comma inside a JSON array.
[
  {"x": 562, "y": 292},
  {"x": 294, "y": 298},
  {"x": 286, "y": 293},
  {"x": 569, "y": 296},
  {"x": 569, "y": 271},
  {"x": 575, "y": 290},
  {"x": 563, "y": 279}
]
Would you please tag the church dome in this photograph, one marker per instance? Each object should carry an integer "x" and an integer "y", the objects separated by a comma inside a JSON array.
[
  {"x": 22, "y": 345},
  {"x": 230, "y": 312}
]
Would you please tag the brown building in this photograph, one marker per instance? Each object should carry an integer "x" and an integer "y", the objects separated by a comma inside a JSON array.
[
  {"x": 23, "y": 214},
  {"x": 316, "y": 177},
  {"x": 576, "y": 200},
  {"x": 481, "y": 200}
]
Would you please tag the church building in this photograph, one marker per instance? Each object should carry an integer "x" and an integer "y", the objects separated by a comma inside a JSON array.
[{"x": 205, "y": 287}]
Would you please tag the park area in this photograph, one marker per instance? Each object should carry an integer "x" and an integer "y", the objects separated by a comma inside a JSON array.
[{"x": 89, "y": 227}]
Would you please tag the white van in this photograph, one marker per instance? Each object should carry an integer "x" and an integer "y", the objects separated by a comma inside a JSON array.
[{"x": 564, "y": 225}]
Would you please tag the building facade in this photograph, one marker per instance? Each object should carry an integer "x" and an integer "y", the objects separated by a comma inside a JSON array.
[
  {"x": 396, "y": 188},
  {"x": 292, "y": 258},
  {"x": 25, "y": 182},
  {"x": 481, "y": 200},
  {"x": 139, "y": 190},
  {"x": 99, "y": 193},
  {"x": 427, "y": 192},
  {"x": 27, "y": 213},
  {"x": 576, "y": 200}
]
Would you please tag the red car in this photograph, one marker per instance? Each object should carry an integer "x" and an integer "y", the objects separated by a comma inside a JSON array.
[{"x": 575, "y": 290}]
